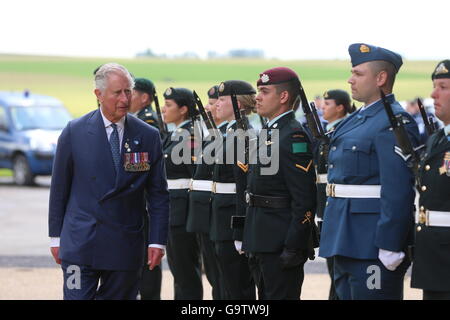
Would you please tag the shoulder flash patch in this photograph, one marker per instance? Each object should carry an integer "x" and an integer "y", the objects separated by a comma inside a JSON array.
[{"x": 299, "y": 147}]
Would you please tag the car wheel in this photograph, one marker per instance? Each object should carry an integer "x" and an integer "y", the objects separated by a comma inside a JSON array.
[{"x": 21, "y": 171}]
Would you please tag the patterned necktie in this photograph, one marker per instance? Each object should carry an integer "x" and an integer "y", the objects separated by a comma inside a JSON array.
[{"x": 115, "y": 146}]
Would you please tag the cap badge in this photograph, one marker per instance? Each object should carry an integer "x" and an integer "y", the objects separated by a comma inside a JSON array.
[
  {"x": 364, "y": 49},
  {"x": 211, "y": 91},
  {"x": 222, "y": 87},
  {"x": 265, "y": 78},
  {"x": 441, "y": 69},
  {"x": 325, "y": 95},
  {"x": 168, "y": 92}
]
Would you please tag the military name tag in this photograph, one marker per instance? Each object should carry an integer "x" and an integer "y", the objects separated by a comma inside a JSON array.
[{"x": 136, "y": 161}]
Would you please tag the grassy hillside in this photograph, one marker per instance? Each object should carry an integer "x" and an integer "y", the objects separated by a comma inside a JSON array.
[{"x": 70, "y": 79}]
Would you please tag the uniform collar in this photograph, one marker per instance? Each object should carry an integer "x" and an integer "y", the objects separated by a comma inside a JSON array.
[
  {"x": 182, "y": 124},
  {"x": 222, "y": 124},
  {"x": 272, "y": 122},
  {"x": 333, "y": 124},
  {"x": 107, "y": 123},
  {"x": 388, "y": 96},
  {"x": 231, "y": 123},
  {"x": 447, "y": 130}
]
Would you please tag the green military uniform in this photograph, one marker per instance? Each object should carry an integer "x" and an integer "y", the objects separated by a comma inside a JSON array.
[
  {"x": 149, "y": 116},
  {"x": 431, "y": 263}
]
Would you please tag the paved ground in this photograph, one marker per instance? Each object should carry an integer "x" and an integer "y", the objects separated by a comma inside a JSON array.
[{"x": 28, "y": 272}]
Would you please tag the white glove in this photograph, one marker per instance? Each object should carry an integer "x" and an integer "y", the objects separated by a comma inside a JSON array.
[
  {"x": 238, "y": 246},
  {"x": 391, "y": 260}
]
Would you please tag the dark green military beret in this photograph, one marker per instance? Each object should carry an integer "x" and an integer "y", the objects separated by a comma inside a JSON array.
[
  {"x": 238, "y": 86},
  {"x": 442, "y": 70},
  {"x": 213, "y": 92},
  {"x": 144, "y": 85},
  {"x": 182, "y": 96}
]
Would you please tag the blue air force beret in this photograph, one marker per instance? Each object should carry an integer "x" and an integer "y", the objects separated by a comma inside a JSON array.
[
  {"x": 144, "y": 85},
  {"x": 442, "y": 70},
  {"x": 240, "y": 88},
  {"x": 276, "y": 75},
  {"x": 361, "y": 52}
]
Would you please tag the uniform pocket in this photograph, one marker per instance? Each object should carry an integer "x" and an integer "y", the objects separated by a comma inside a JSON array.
[
  {"x": 356, "y": 157},
  {"x": 178, "y": 207}
]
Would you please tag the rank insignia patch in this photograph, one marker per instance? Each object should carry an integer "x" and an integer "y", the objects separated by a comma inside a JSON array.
[
  {"x": 306, "y": 169},
  {"x": 244, "y": 167}
]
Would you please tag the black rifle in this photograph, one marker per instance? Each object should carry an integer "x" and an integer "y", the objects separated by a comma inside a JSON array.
[
  {"x": 202, "y": 110},
  {"x": 162, "y": 126},
  {"x": 241, "y": 119},
  {"x": 312, "y": 118},
  {"x": 401, "y": 135},
  {"x": 429, "y": 122}
]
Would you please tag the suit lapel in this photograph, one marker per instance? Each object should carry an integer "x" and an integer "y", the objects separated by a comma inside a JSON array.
[{"x": 100, "y": 151}]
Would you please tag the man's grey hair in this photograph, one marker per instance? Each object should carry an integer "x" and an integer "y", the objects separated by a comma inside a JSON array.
[{"x": 101, "y": 76}]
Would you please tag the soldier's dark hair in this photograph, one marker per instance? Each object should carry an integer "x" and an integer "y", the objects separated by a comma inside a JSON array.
[
  {"x": 293, "y": 89},
  {"x": 378, "y": 66}
]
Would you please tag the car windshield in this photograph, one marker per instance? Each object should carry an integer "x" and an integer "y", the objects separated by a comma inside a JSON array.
[{"x": 41, "y": 117}]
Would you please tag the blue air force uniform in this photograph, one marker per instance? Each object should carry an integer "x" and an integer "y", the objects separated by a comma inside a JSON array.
[{"x": 370, "y": 195}]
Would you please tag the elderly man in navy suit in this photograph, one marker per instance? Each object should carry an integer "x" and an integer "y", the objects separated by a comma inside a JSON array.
[
  {"x": 368, "y": 219},
  {"x": 108, "y": 173}
]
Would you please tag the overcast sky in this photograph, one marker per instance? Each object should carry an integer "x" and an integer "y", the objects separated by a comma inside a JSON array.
[{"x": 286, "y": 29}]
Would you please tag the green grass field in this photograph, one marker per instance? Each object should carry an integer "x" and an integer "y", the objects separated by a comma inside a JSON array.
[{"x": 71, "y": 80}]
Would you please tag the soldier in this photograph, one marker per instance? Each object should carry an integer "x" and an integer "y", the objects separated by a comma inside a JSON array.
[
  {"x": 432, "y": 250},
  {"x": 413, "y": 109},
  {"x": 183, "y": 252},
  {"x": 336, "y": 107},
  {"x": 200, "y": 197},
  {"x": 141, "y": 101},
  {"x": 213, "y": 95},
  {"x": 229, "y": 180},
  {"x": 280, "y": 205},
  {"x": 368, "y": 219}
]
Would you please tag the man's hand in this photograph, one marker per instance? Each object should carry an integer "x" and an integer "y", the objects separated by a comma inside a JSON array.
[
  {"x": 290, "y": 258},
  {"x": 391, "y": 260},
  {"x": 154, "y": 257},
  {"x": 55, "y": 254}
]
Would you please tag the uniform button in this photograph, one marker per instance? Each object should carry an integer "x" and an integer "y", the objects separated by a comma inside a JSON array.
[
  {"x": 331, "y": 166},
  {"x": 131, "y": 185},
  {"x": 427, "y": 167},
  {"x": 166, "y": 155},
  {"x": 321, "y": 153},
  {"x": 424, "y": 188},
  {"x": 326, "y": 204},
  {"x": 354, "y": 148},
  {"x": 333, "y": 148},
  {"x": 422, "y": 208},
  {"x": 419, "y": 228}
]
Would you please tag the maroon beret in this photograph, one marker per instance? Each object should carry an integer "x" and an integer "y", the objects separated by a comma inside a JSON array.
[{"x": 276, "y": 76}]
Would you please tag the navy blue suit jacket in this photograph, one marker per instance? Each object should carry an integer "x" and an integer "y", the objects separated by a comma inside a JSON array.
[{"x": 97, "y": 214}]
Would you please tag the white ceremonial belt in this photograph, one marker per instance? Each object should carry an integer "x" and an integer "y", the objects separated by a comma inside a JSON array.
[
  {"x": 202, "y": 185},
  {"x": 322, "y": 178},
  {"x": 353, "y": 191},
  {"x": 433, "y": 218},
  {"x": 226, "y": 188},
  {"x": 174, "y": 184}
]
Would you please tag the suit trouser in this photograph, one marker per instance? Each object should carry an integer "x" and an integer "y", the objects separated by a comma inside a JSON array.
[
  {"x": 211, "y": 265},
  {"x": 183, "y": 256},
  {"x": 239, "y": 284},
  {"x": 357, "y": 279},
  {"x": 150, "y": 287},
  {"x": 81, "y": 283},
  {"x": 272, "y": 280}
]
